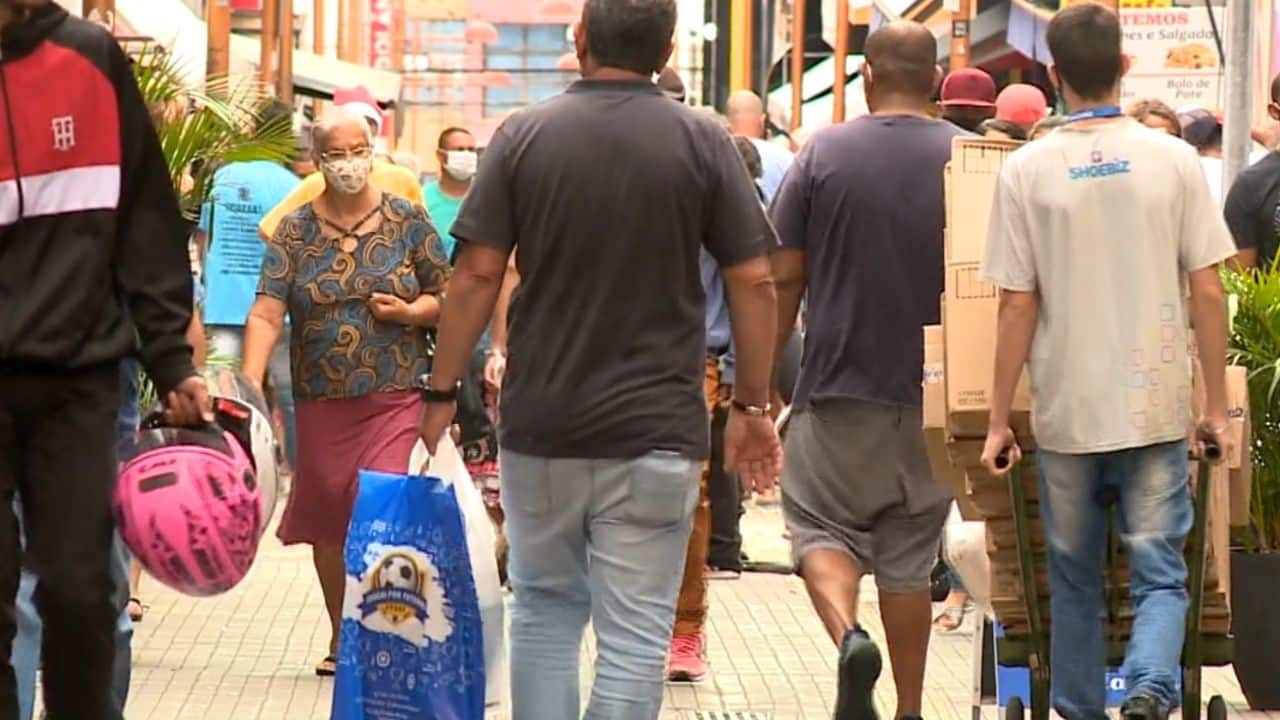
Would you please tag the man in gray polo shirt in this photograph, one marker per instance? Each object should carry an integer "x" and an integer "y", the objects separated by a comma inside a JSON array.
[{"x": 608, "y": 192}]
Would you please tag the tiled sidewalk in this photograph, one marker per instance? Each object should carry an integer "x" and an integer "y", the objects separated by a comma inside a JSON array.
[{"x": 248, "y": 655}]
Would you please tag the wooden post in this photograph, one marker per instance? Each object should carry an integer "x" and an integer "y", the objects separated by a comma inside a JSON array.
[
  {"x": 839, "y": 72},
  {"x": 797, "y": 63},
  {"x": 267, "y": 41},
  {"x": 741, "y": 40},
  {"x": 344, "y": 34},
  {"x": 284, "y": 75},
  {"x": 318, "y": 42},
  {"x": 960, "y": 35},
  {"x": 218, "y": 25}
]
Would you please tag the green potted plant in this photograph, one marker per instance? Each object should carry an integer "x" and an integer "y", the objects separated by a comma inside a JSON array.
[
  {"x": 201, "y": 129},
  {"x": 1255, "y": 564}
]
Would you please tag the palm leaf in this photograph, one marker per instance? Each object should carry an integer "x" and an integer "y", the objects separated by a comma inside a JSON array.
[
  {"x": 1255, "y": 344},
  {"x": 226, "y": 122}
]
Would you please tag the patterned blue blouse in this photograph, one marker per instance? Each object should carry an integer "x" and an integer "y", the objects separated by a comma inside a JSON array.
[{"x": 339, "y": 349}]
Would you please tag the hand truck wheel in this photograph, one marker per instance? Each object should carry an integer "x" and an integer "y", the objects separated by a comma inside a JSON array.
[
  {"x": 1013, "y": 710},
  {"x": 1217, "y": 708}
]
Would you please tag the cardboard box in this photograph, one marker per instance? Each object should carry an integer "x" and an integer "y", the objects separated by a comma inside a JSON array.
[
  {"x": 971, "y": 305},
  {"x": 935, "y": 422},
  {"x": 970, "y": 186},
  {"x": 934, "y": 381},
  {"x": 1240, "y": 460},
  {"x": 972, "y": 308}
]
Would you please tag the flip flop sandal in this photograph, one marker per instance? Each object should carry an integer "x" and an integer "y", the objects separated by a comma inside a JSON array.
[
  {"x": 328, "y": 667},
  {"x": 136, "y": 615}
]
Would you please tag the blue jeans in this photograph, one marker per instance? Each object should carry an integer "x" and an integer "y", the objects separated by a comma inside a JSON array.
[
  {"x": 26, "y": 644},
  {"x": 1150, "y": 488},
  {"x": 601, "y": 541}
]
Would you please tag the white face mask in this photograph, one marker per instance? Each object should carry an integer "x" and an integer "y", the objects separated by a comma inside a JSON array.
[
  {"x": 461, "y": 164},
  {"x": 348, "y": 176}
]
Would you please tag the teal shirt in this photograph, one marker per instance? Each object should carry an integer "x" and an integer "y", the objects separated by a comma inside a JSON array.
[{"x": 443, "y": 210}]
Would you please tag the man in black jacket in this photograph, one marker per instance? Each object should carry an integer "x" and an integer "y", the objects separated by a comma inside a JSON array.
[{"x": 92, "y": 259}]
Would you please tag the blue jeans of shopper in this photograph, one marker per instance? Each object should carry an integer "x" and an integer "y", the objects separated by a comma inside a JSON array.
[
  {"x": 601, "y": 541},
  {"x": 1150, "y": 488},
  {"x": 26, "y": 644}
]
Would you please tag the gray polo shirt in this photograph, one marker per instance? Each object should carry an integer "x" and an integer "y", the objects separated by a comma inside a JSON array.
[{"x": 609, "y": 192}]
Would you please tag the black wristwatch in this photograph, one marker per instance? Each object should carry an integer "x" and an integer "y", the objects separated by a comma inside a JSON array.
[
  {"x": 751, "y": 410},
  {"x": 432, "y": 395}
]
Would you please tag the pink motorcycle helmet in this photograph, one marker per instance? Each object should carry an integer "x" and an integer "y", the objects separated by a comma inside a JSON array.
[{"x": 188, "y": 503}]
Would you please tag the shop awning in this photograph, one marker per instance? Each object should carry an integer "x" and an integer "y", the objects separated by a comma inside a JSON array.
[
  {"x": 319, "y": 76},
  {"x": 173, "y": 25}
]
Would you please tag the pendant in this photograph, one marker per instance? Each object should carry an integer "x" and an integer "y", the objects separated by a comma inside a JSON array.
[{"x": 349, "y": 244}]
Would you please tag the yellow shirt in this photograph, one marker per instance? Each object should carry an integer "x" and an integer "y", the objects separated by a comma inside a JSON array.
[{"x": 389, "y": 178}]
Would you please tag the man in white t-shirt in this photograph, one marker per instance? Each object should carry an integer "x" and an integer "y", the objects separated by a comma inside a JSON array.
[{"x": 1094, "y": 232}]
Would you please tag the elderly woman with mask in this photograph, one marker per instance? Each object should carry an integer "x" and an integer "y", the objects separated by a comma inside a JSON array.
[{"x": 360, "y": 274}]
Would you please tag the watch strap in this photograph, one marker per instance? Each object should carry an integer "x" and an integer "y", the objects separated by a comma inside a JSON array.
[{"x": 751, "y": 410}]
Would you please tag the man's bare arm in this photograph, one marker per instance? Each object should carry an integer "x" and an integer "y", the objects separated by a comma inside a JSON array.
[
  {"x": 469, "y": 305},
  {"x": 1019, "y": 312},
  {"x": 1244, "y": 260},
  {"x": 1209, "y": 320},
  {"x": 498, "y": 328},
  {"x": 753, "y": 315},
  {"x": 789, "y": 277}
]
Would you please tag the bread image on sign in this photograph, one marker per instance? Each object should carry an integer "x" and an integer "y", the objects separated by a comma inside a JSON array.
[{"x": 1191, "y": 56}]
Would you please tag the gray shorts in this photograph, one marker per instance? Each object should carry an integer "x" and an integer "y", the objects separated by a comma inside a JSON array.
[{"x": 856, "y": 479}]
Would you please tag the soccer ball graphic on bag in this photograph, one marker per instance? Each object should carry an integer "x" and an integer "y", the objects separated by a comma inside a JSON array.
[
  {"x": 399, "y": 572},
  {"x": 188, "y": 501}
]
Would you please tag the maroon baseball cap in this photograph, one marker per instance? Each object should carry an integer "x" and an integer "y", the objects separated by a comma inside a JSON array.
[{"x": 968, "y": 87}]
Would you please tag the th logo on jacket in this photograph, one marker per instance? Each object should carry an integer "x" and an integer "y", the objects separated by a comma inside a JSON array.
[{"x": 64, "y": 133}]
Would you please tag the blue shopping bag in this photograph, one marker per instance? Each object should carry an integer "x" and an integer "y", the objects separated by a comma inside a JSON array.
[{"x": 411, "y": 645}]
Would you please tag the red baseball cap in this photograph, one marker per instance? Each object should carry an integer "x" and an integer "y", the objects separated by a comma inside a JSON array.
[
  {"x": 360, "y": 101},
  {"x": 1021, "y": 104},
  {"x": 968, "y": 87}
]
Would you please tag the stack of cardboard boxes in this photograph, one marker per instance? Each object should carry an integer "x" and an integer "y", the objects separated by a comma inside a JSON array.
[{"x": 958, "y": 370}]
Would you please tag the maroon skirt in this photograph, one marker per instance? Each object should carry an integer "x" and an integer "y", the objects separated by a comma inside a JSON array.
[{"x": 336, "y": 440}]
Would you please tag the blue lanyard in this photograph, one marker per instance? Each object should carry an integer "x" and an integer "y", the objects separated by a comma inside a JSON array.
[{"x": 1107, "y": 111}]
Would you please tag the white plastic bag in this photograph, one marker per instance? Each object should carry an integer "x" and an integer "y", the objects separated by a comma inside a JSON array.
[
  {"x": 447, "y": 465},
  {"x": 965, "y": 547}
]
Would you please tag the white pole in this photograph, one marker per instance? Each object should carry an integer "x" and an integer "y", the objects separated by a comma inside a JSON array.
[{"x": 1236, "y": 140}]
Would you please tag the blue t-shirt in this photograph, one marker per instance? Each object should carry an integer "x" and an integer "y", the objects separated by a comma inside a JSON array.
[
  {"x": 775, "y": 161},
  {"x": 243, "y": 193},
  {"x": 864, "y": 200}
]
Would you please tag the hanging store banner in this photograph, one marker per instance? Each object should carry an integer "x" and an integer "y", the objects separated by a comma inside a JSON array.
[
  {"x": 385, "y": 17},
  {"x": 1173, "y": 55}
]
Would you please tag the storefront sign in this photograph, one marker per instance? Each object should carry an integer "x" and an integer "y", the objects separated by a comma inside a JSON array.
[
  {"x": 1173, "y": 55},
  {"x": 382, "y": 53}
]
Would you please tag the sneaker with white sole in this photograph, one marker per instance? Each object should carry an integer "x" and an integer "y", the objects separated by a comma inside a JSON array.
[{"x": 686, "y": 661}]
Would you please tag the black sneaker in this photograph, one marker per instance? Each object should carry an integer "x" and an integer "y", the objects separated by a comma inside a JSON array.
[
  {"x": 1142, "y": 707},
  {"x": 859, "y": 668}
]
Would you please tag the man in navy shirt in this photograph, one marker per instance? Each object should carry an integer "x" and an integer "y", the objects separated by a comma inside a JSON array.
[{"x": 863, "y": 240}]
